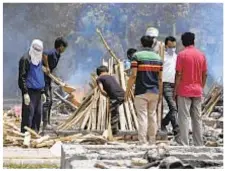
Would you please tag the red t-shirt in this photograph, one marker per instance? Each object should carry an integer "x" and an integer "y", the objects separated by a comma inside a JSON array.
[{"x": 191, "y": 63}]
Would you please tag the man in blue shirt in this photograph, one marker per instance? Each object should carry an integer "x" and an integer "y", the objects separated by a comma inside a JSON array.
[
  {"x": 31, "y": 82},
  {"x": 50, "y": 60}
]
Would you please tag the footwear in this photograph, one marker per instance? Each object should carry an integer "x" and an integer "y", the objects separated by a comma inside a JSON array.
[
  {"x": 176, "y": 131},
  {"x": 164, "y": 129}
]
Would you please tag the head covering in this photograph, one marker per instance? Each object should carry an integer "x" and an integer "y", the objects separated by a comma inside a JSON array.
[
  {"x": 35, "y": 51},
  {"x": 152, "y": 31}
]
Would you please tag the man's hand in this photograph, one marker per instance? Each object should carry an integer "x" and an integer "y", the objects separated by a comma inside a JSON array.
[
  {"x": 43, "y": 98},
  {"x": 26, "y": 99},
  {"x": 47, "y": 70}
]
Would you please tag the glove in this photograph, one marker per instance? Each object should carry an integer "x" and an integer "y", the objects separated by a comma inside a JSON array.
[
  {"x": 43, "y": 98},
  {"x": 26, "y": 99}
]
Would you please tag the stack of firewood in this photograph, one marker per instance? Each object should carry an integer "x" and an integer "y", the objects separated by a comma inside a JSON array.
[
  {"x": 93, "y": 113},
  {"x": 213, "y": 102}
]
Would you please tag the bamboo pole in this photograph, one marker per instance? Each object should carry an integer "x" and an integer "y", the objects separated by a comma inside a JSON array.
[
  {"x": 160, "y": 107},
  {"x": 107, "y": 46}
]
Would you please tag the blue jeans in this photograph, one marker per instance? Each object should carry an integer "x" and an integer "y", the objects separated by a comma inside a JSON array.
[{"x": 168, "y": 89}]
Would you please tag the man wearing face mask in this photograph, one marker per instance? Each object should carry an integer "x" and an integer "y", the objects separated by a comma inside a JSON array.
[
  {"x": 50, "y": 61},
  {"x": 31, "y": 82},
  {"x": 169, "y": 65}
]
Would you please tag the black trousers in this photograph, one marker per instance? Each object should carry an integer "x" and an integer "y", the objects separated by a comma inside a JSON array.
[
  {"x": 168, "y": 89},
  {"x": 114, "y": 109},
  {"x": 31, "y": 114},
  {"x": 47, "y": 105}
]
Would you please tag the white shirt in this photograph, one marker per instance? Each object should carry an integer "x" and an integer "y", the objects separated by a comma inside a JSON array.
[{"x": 169, "y": 67}]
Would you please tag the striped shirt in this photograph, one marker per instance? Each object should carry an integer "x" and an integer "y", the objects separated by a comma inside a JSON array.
[{"x": 148, "y": 65}]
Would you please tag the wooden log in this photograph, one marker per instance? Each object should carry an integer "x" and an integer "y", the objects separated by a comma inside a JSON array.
[
  {"x": 121, "y": 108},
  {"x": 40, "y": 140},
  {"x": 123, "y": 85},
  {"x": 133, "y": 113},
  {"x": 65, "y": 101},
  {"x": 70, "y": 138},
  {"x": 104, "y": 110},
  {"x": 15, "y": 133},
  {"x": 101, "y": 165},
  {"x": 12, "y": 125},
  {"x": 87, "y": 115},
  {"x": 32, "y": 132},
  {"x": 66, "y": 88},
  {"x": 208, "y": 112},
  {"x": 99, "y": 112},
  {"x": 82, "y": 107},
  {"x": 107, "y": 46},
  {"x": 94, "y": 112},
  {"x": 46, "y": 144},
  {"x": 215, "y": 95}
]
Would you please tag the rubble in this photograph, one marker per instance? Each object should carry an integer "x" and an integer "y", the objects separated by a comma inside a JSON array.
[{"x": 133, "y": 156}]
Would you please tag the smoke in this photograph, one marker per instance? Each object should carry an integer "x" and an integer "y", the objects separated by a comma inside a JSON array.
[{"x": 122, "y": 25}]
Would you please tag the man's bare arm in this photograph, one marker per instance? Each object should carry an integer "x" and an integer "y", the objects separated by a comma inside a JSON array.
[
  {"x": 177, "y": 82},
  {"x": 100, "y": 86},
  {"x": 45, "y": 59}
]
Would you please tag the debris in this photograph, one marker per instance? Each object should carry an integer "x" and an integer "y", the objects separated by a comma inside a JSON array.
[
  {"x": 138, "y": 161},
  {"x": 172, "y": 162}
]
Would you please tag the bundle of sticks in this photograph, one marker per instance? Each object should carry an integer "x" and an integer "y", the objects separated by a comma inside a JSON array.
[{"x": 93, "y": 113}]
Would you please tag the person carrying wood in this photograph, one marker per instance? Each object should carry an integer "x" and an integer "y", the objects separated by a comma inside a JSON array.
[
  {"x": 110, "y": 88},
  {"x": 169, "y": 65},
  {"x": 146, "y": 68},
  {"x": 190, "y": 79},
  {"x": 31, "y": 83},
  {"x": 50, "y": 61}
]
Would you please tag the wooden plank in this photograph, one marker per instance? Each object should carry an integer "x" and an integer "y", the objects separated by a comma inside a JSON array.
[
  {"x": 133, "y": 113},
  {"x": 65, "y": 101},
  {"x": 125, "y": 105},
  {"x": 99, "y": 112},
  {"x": 80, "y": 108},
  {"x": 160, "y": 106},
  {"x": 107, "y": 46},
  {"x": 94, "y": 111},
  {"x": 121, "y": 108}
]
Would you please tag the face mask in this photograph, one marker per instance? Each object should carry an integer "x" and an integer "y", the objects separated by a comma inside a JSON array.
[
  {"x": 35, "y": 51},
  {"x": 171, "y": 51}
]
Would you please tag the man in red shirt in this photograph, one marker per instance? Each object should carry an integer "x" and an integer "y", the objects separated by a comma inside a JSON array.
[{"x": 191, "y": 73}]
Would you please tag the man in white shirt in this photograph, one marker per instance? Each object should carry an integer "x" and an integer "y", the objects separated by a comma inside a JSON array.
[{"x": 169, "y": 66}]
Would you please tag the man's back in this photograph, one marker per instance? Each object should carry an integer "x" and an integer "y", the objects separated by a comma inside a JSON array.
[
  {"x": 148, "y": 65},
  {"x": 111, "y": 86},
  {"x": 191, "y": 63}
]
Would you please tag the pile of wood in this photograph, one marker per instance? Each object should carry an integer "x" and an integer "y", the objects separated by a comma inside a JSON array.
[
  {"x": 93, "y": 113},
  {"x": 213, "y": 103}
]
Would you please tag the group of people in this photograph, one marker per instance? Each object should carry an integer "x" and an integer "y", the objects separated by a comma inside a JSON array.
[
  {"x": 35, "y": 85},
  {"x": 180, "y": 78}
]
